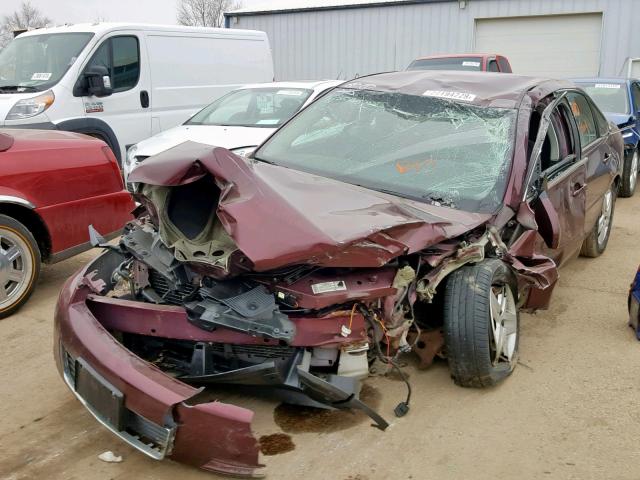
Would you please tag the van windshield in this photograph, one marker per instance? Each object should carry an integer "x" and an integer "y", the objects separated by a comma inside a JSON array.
[
  {"x": 37, "y": 62},
  {"x": 253, "y": 107}
]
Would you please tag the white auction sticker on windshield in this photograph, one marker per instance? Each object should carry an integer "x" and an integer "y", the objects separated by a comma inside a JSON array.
[
  {"x": 41, "y": 76},
  {"x": 607, "y": 85},
  {"x": 470, "y": 64},
  {"x": 466, "y": 97},
  {"x": 326, "y": 287},
  {"x": 293, "y": 93}
]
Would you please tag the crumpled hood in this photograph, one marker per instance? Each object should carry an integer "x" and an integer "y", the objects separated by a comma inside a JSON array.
[
  {"x": 215, "y": 135},
  {"x": 279, "y": 216}
]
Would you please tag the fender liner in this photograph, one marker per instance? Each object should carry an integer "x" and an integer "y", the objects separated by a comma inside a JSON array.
[{"x": 93, "y": 126}]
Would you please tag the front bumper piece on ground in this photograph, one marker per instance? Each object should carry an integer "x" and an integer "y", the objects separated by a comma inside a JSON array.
[{"x": 140, "y": 404}]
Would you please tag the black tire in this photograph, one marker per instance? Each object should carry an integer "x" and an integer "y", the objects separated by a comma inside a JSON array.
[
  {"x": 13, "y": 231},
  {"x": 467, "y": 323},
  {"x": 593, "y": 247},
  {"x": 629, "y": 181}
]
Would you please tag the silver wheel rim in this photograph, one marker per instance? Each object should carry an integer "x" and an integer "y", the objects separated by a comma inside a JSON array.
[
  {"x": 504, "y": 325},
  {"x": 633, "y": 175},
  {"x": 16, "y": 267},
  {"x": 604, "y": 220}
]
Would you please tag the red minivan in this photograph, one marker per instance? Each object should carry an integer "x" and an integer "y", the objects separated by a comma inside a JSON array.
[
  {"x": 472, "y": 62},
  {"x": 53, "y": 185}
]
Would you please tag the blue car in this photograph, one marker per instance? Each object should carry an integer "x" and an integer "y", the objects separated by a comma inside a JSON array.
[
  {"x": 634, "y": 304},
  {"x": 619, "y": 99}
]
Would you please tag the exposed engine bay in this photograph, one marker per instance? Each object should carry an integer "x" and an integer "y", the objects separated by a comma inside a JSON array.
[{"x": 268, "y": 306}]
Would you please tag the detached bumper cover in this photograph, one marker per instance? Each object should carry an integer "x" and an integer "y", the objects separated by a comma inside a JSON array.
[{"x": 139, "y": 403}]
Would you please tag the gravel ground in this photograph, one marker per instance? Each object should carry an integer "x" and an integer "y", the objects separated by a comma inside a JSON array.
[{"x": 568, "y": 411}]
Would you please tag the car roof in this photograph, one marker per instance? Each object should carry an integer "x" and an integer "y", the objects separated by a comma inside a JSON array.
[
  {"x": 309, "y": 84},
  {"x": 483, "y": 88},
  {"x": 460, "y": 55}
]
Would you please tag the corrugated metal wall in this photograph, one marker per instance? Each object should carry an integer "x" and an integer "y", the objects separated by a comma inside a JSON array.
[{"x": 348, "y": 42}]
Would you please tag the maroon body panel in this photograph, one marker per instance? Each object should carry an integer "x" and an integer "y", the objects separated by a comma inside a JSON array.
[
  {"x": 72, "y": 180},
  {"x": 167, "y": 321}
]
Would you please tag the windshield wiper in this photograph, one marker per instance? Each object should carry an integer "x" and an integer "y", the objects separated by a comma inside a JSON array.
[{"x": 16, "y": 88}]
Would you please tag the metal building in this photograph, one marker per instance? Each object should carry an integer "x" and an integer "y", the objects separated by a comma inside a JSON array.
[{"x": 313, "y": 39}]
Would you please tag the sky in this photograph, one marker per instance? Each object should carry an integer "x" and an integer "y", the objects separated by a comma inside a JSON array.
[{"x": 78, "y": 11}]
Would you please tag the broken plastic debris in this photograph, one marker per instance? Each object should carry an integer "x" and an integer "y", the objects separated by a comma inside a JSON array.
[{"x": 110, "y": 457}]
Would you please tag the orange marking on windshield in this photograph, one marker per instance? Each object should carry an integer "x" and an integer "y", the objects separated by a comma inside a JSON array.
[{"x": 415, "y": 166}]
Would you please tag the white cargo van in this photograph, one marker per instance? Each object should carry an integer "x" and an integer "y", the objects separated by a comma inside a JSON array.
[{"x": 124, "y": 82}]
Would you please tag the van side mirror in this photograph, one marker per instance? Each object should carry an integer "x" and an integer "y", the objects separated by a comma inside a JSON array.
[{"x": 98, "y": 81}]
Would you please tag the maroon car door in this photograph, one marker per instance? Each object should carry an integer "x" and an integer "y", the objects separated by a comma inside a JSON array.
[
  {"x": 563, "y": 177},
  {"x": 593, "y": 131}
]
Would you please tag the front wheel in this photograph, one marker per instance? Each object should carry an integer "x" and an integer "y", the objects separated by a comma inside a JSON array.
[
  {"x": 19, "y": 265},
  {"x": 481, "y": 323},
  {"x": 630, "y": 174}
]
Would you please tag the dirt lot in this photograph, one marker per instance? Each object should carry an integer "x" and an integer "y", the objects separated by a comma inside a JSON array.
[{"x": 570, "y": 410}]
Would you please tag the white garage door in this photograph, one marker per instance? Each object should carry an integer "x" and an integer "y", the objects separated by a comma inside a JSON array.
[{"x": 551, "y": 45}]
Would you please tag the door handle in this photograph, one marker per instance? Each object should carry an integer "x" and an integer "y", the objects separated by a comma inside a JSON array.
[
  {"x": 577, "y": 188},
  {"x": 144, "y": 99},
  {"x": 607, "y": 157}
]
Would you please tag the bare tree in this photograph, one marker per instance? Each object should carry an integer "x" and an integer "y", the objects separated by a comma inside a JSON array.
[
  {"x": 204, "y": 13},
  {"x": 25, "y": 18}
]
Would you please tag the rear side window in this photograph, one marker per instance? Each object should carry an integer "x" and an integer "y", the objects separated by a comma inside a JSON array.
[
  {"x": 601, "y": 121},
  {"x": 121, "y": 56},
  {"x": 493, "y": 66},
  {"x": 583, "y": 114},
  {"x": 504, "y": 65}
]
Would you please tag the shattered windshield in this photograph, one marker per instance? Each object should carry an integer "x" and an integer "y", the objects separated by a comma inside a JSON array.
[
  {"x": 37, "y": 62},
  {"x": 253, "y": 107},
  {"x": 421, "y": 147}
]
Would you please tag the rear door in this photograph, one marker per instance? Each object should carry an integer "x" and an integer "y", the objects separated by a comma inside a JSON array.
[
  {"x": 127, "y": 110},
  {"x": 593, "y": 133}
]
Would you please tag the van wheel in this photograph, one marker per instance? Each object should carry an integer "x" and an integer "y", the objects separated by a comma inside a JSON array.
[
  {"x": 596, "y": 241},
  {"x": 481, "y": 323},
  {"x": 19, "y": 265},
  {"x": 630, "y": 174}
]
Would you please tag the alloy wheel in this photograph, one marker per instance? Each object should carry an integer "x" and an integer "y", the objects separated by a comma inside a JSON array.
[
  {"x": 633, "y": 174},
  {"x": 604, "y": 221},
  {"x": 504, "y": 325},
  {"x": 16, "y": 267}
]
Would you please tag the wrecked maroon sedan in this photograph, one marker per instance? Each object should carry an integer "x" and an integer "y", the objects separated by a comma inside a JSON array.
[{"x": 412, "y": 211}]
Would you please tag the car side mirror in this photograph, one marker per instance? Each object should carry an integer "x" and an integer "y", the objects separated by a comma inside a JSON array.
[
  {"x": 547, "y": 218},
  {"x": 98, "y": 81}
]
